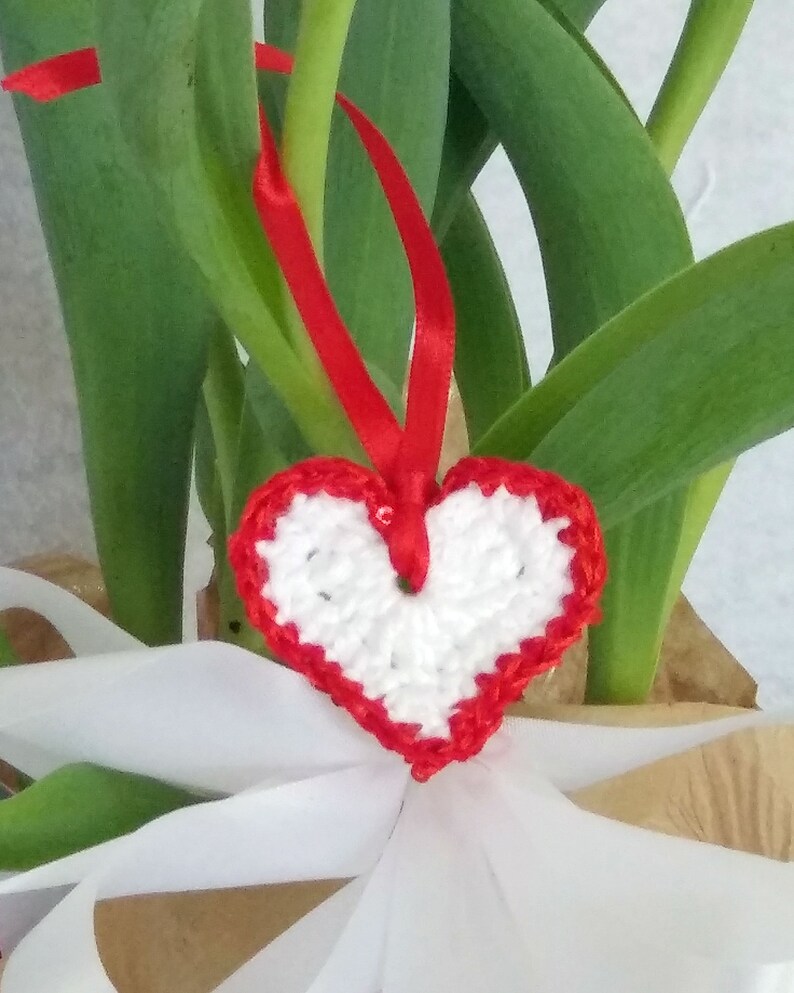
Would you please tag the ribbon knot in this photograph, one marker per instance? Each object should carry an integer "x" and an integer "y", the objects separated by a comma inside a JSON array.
[{"x": 409, "y": 548}]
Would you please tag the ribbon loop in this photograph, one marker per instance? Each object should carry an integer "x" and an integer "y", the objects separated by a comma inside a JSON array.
[
  {"x": 407, "y": 459},
  {"x": 409, "y": 548}
]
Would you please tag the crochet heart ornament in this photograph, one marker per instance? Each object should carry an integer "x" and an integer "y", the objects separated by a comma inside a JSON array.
[
  {"x": 515, "y": 569},
  {"x": 423, "y": 610}
]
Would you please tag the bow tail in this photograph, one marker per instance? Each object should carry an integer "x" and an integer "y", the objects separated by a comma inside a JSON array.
[
  {"x": 604, "y": 905},
  {"x": 449, "y": 928},
  {"x": 328, "y": 827},
  {"x": 338, "y": 946},
  {"x": 27, "y": 897}
]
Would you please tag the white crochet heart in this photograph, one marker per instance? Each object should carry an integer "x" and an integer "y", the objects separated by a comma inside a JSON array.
[{"x": 498, "y": 575}]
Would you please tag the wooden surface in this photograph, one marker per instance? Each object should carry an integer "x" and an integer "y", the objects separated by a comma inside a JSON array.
[
  {"x": 191, "y": 942},
  {"x": 33, "y": 638},
  {"x": 694, "y": 667},
  {"x": 737, "y": 792}
]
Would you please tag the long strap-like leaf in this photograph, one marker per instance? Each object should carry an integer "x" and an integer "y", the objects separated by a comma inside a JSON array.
[
  {"x": 136, "y": 321},
  {"x": 76, "y": 807}
]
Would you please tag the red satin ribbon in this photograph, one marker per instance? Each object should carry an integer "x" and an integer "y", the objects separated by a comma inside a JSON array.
[
  {"x": 406, "y": 458},
  {"x": 55, "y": 77}
]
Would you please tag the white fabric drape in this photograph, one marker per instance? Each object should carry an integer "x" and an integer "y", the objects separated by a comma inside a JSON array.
[{"x": 486, "y": 877}]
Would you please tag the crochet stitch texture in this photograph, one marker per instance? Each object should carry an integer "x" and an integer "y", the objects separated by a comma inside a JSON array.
[{"x": 498, "y": 574}]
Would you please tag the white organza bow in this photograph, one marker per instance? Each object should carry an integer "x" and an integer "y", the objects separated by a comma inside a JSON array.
[{"x": 484, "y": 879}]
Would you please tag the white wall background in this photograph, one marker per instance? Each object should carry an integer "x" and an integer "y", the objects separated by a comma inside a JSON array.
[{"x": 736, "y": 177}]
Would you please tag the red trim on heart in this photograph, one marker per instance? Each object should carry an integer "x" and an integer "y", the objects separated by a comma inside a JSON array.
[{"x": 475, "y": 719}]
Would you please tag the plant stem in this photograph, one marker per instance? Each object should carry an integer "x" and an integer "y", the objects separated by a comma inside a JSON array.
[
  {"x": 223, "y": 395},
  {"x": 704, "y": 493},
  {"x": 306, "y": 136},
  {"x": 709, "y": 37},
  {"x": 306, "y": 393},
  {"x": 233, "y": 626},
  {"x": 624, "y": 653},
  {"x": 321, "y": 420},
  {"x": 320, "y": 46},
  {"x": 7, "y": 654}
]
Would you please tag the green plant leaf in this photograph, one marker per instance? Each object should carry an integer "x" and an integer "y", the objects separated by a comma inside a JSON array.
[
  {"x": 688, "y": 377},
  {"x": 188, "y": 106},
  {"x": 607, "y": 220},
  {"x": 284, "y": 441},
  {"x": 222, "y": 426},
  {"x": 578, "y": 12},
  {"x": 208, "y": 486},
  {"x": 268, "y": 441},
  {"x": 184, "y": 86},
  {"x": 649, "y": 555},
  {"x": 702, "y": 497},
  {"x": 136, "y": 321},
  {"x": 636, "y": 603},
  {"x": 7, "y": 654},
  {"x": 469, "y": 142},
  {"x": 306, "y": 132},
  {"x": 76, "y": 807},
  {"x": 396, "y": 60},
  {"x": 223, "y": 401},
  {"x": 490, "y": 362}
]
